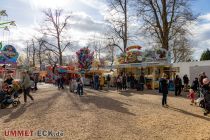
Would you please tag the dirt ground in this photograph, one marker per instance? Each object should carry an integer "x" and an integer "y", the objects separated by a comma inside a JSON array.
[{"x": 107, "y": 115}]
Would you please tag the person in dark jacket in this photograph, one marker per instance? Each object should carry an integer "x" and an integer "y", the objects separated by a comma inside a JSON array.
[
  {"x": 195, "y": 85},
  {"x": 178, "y": 85},
  {"x": 124, "y": 81},
  {"x": 132, "y": 81},
  {"x": 164, "y": 89},
  {"x": 206, "y": 92},
  {"x": 142, "y": 82},
  {"x": 186, "y": 82},
  {"x": 108, "y": 80},
  {"x": 36, "y": 80}
]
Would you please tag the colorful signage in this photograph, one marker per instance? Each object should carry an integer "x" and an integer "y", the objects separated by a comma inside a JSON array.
[
  {"x": 133, "y": 47},
  {"x": 8, "y": 54}
]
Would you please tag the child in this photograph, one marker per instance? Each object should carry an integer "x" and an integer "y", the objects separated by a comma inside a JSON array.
[{"x": 191, "y": 95}]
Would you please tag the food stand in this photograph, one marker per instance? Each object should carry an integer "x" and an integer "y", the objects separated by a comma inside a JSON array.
[{"x": 152, "y": 63}]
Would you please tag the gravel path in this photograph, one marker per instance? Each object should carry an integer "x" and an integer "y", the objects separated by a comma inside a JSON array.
[{"x": 107, "y": 115}]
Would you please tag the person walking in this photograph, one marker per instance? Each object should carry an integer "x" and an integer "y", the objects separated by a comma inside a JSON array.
[
  {"x": 124, "y": 81},
  {"x": 36, "y": 80},
  {"x": 186, "y": 82},
  {"x": 108, "y": 81},
  {"x": 178, "y": 85},
  {"x": 128, "y": 81},
  {"x": 118, "y": 83},
  {"x": 96, "y": 81},
  {"x": 195, "y": 85},
  {"x": 80, "y": 84},
  {"x": 62, "y": 81},
  {"x": 164, "y": 89},
  {"x": 142, "y": 81},
  {"x": 26, "y": 86},
  {"x": 132, "y": 81}
]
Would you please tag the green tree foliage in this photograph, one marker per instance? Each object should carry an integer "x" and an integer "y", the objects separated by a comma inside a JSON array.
[{"x": 205, "y": 55}]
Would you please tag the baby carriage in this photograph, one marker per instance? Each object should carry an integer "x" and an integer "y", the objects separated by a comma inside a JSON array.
[
  {"x": 7, "y": 99},
  {"x": 73, "y": 85},
  {"x": 32, "y": 83},
  {"x": 200, "y": 100}
]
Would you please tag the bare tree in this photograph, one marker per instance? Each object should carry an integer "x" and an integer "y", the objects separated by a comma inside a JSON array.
[
  {"x": 118, "y": 24},
  {"x": 54, "y": 27},
  {"x": 181, "y": 50},
  {"x": 52, "y": 58},
  {"x": 33, "y": 52},
  {"x": 164, "y": 19}
]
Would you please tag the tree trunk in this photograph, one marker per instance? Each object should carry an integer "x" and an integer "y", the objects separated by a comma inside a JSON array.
[
  {"x": 165, "y": 25},
  {"x": 126, "y": 28}
]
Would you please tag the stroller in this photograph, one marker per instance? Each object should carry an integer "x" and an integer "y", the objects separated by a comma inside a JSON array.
[
  {"x": 200, "y": 100},
  {"x": 9, "y": 98},
  {"x": 204, "y": 100},
  {"x": 73, "y": 86}
]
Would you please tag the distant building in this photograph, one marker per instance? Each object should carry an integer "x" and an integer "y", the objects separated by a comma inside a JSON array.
[{"x": 192, "y": 69}]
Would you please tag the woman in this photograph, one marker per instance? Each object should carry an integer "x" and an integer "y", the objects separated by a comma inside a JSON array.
[
  {"x": 206, "y": 92},
  {"x": 178, "y": 85},
  {"x": 164, "y": 89}
]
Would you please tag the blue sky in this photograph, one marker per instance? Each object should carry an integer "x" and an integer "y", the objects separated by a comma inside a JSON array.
[{"x": 89, "y": 17}]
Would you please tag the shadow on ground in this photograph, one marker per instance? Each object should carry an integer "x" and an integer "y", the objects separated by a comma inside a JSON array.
[
  {"x": 40, "y": 106},
  {"x": 189, "y": 113},
  {"x": 17, "y": 113},
  {"x": 106, "y": 103},
  {"x": 5, "y": 112}
]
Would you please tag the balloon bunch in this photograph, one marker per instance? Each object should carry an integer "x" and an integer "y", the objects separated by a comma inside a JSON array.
[{"x": 85, "y": 59}]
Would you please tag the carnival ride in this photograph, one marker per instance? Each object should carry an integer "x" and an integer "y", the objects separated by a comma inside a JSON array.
[{"x": 8, "y": 53}]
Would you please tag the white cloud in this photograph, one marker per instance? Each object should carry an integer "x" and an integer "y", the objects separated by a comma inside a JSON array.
[
  {"x": 48, "y": 3},
  {"x": 205, "y": 17},
  {"x": 200, "y": 35}
]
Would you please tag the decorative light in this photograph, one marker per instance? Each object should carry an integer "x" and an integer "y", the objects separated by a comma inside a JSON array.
[
  {"x": 12, "y": 23},
  {"x": 6, "y": 28},
  {"x": 3, "y": 13}
]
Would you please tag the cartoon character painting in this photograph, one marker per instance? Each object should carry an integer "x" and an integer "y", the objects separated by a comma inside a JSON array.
[{"x": 8, "y": 54}]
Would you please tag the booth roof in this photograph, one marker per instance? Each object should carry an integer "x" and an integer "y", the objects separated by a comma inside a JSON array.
[{"x": 144, "y": 64}]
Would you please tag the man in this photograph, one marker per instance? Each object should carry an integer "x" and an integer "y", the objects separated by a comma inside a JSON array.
[
  {"x": 178, "y": 85},
  {"x": 124, "y": 82},
  {"x": 96, "y": 81},
  {"x": 186, "y": 82},
  {"x": 80, "y": 83},
  {"x": 26, "y": 85},
  {"x": 36, "y": 80},
  {"x": 108, "y": 80},
  {"x": 128, "y": 81},
  {"x": 132, "y": 81},
  {"x": 142, "y": 81}
]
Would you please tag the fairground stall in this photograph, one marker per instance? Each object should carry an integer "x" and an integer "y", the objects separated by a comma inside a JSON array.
[
  {"x": 66, "y": 71},
  {"x": 8, "y": 61},
  {"x": 152, "y": 63}
]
